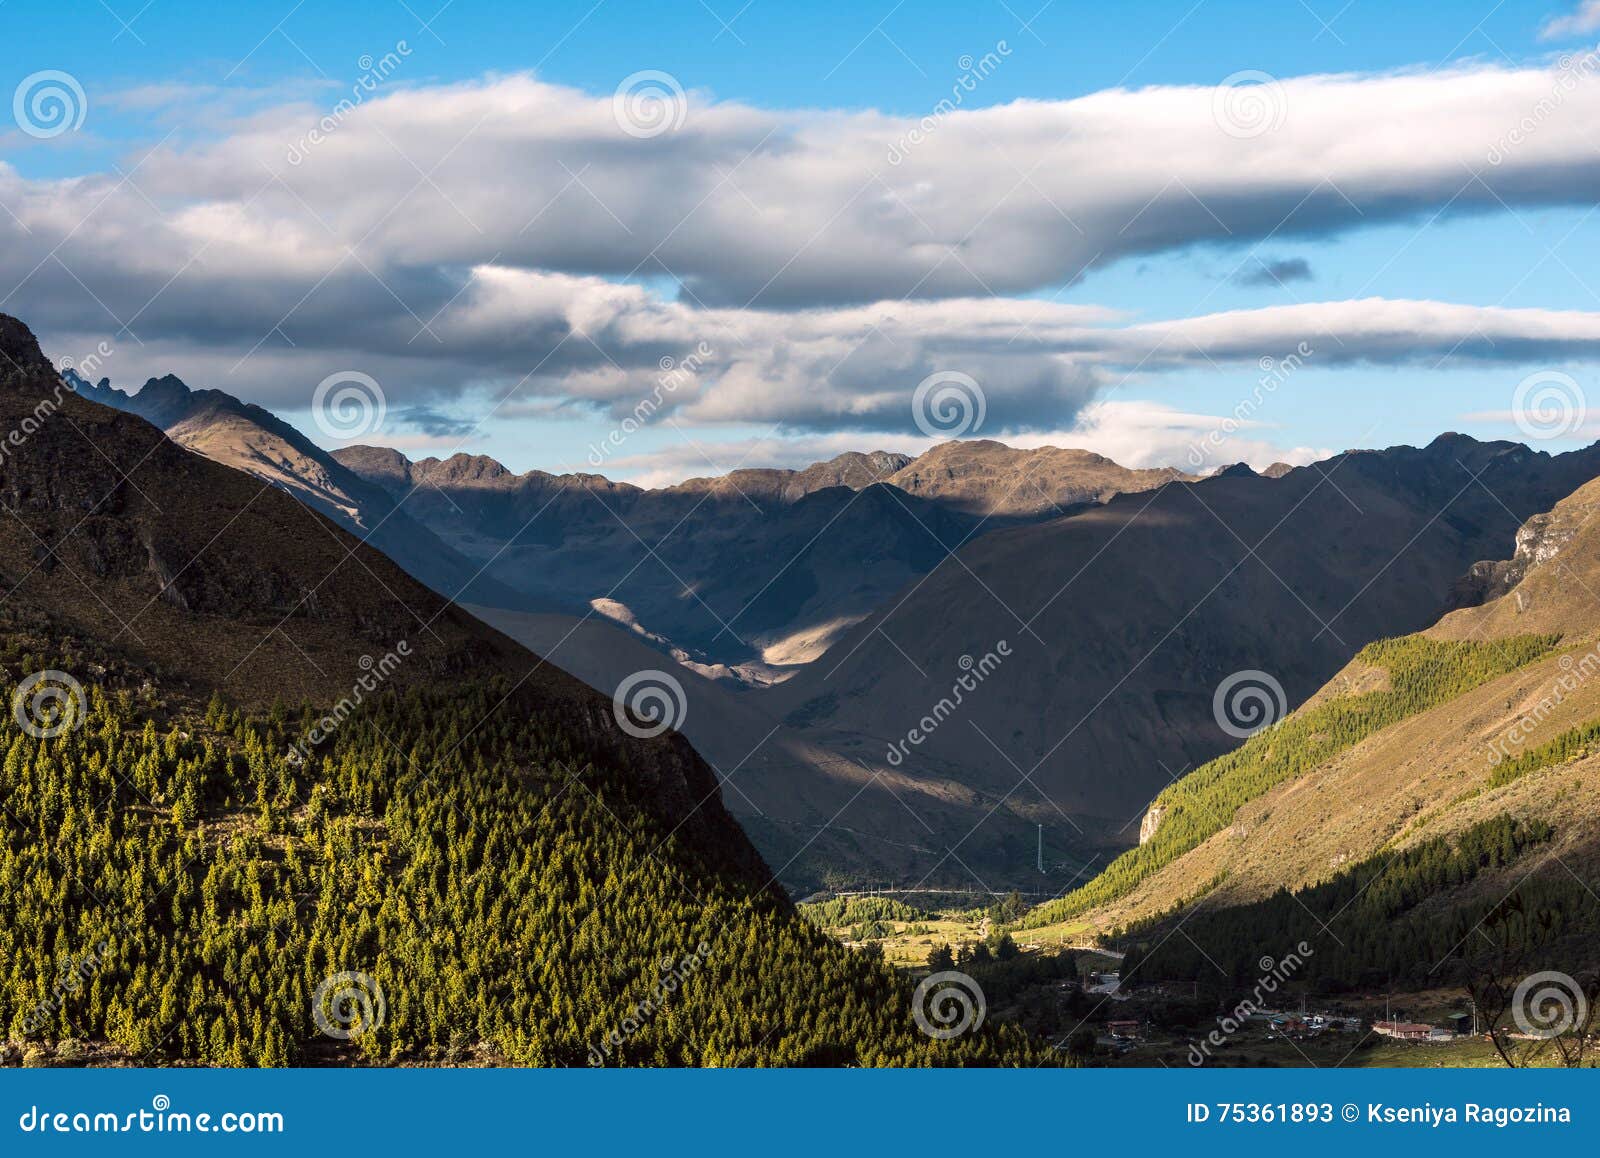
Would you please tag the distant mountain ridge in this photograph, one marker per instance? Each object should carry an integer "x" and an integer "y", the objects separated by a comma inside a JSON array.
[
  {"x": 1124, "y": 620},
  {"x": 751, "y": 573},
  {"x": 744, "y": 575},
  {"x": 858, "y": 586},
  {"x": 252, "y": 439}
]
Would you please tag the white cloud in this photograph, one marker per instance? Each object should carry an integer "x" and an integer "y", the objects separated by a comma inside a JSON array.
[
  {"x": 1582, "y": 20},
  {"x": 1133, "y": 433},
  {"x": 1148, "y": 434},
  {"x": 470, "y": 240}
]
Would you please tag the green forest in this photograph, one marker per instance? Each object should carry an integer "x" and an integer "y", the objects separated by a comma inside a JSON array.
[
  {"x": 1423, "y": 672},
  {"x": 1372, "y": 926},
  {"x": 176, "y": 888}
]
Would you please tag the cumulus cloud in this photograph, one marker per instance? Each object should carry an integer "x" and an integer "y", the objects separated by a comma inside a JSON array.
[
  {"x": 507, "y": 239},
  {"x": 610, "y": 348}
]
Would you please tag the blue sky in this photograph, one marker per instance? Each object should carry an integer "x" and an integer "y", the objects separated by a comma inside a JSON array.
[
  {"x": 822, "y": 54},
  {"x": 226, "y": 70}
]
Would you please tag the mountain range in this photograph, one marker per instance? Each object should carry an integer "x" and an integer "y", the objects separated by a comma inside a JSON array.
[
  {"x": 1354, "y": 701},
  {"x": 816, "y": 618}
]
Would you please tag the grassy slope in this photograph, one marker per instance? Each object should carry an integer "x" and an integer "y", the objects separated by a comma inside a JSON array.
[
  {"x": 1421, "y": 673},
  {"x": 1289, "y": 821}
]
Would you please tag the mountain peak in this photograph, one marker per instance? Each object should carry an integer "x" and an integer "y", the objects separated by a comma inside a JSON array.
[
  {"x": 1237, "y": 470},
  {"x": 20, "y": 356}
]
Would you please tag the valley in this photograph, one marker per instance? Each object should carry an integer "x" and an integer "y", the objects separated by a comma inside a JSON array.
[
  {"x": 810, "y": 618},
  {"x": 1026, "y": 828}
]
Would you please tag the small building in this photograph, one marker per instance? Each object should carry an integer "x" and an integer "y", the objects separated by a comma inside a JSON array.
[
  {"x": 1123, "y": 1030},
  {"x": 1403, "y": 1030}
]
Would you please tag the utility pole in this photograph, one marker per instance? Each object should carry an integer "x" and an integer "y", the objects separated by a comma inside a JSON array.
[{"x": 1041, "y": 848}]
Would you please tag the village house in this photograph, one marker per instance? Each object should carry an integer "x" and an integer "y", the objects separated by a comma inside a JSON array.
[{"x": 1403, "y": 1030}]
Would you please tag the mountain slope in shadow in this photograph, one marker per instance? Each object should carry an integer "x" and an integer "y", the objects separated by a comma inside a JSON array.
[
  {"x": 1124, "y": 621},
  {"x": 254, "y": 440}
]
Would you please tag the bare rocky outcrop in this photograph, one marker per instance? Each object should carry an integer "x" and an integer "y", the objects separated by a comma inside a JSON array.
[
  {"x": 1539, "y": 541},
  {"x": 1151, "y": 822}
]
